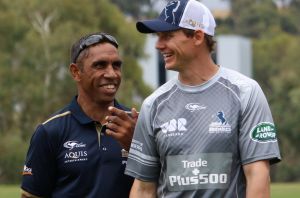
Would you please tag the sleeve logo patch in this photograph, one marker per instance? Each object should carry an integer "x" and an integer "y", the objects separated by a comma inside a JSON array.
[{"x": 264, "y": 132}]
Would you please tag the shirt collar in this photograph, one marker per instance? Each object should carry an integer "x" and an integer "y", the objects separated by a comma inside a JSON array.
[{"x": 81, "y": 116}]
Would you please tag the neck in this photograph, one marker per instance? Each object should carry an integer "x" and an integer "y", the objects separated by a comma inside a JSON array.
[
  {"x": 198, "y": 71},
  {"x": 95, "y": 110}
]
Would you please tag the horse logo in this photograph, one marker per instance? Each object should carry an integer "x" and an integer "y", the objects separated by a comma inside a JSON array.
[
  {"x": 221, "y": 117},
  {"x": 170, "y": 11},
  {"x": 221, "y": 126}
]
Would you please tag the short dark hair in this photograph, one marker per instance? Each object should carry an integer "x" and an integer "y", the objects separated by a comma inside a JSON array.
[{"x": 209, "y": 40}]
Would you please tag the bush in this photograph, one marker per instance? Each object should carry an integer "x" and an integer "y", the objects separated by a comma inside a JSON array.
[{"x": 12, "y": 150}]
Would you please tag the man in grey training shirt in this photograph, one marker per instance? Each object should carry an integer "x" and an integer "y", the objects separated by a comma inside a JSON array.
[{"x": 207, "y": 133}]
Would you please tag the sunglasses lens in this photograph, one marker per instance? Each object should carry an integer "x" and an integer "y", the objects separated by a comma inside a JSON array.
[
  {"x": 94, "y": 39},
  {"x": 91, "y": 41},
  {"x": 111, "y": 38}
]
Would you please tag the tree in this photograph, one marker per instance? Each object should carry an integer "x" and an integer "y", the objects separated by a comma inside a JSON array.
[
  {"x": 135, "y": 8},
  {"x": 258, "y": 18},
  {"x": 35, "y": 40},
  {"x": 278, "y": 73},
  {"x": 276, "y": 40}
]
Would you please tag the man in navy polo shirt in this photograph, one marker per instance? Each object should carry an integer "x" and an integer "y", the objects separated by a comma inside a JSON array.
[{"x": 81, "y": 150}]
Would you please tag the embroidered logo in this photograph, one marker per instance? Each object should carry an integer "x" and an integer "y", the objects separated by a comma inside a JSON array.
[
  {"x": 221, "y": 126},
  {"x": 221, "y": 117},
  {"x": 73, "y": 144},
  {"x": 174, "y": 127},
  {"x": 170, "y": 11},
  {"x": 76, "y": 152},
  {"x": 194, "y": 107},
  {"x": 264, "y": 132},
  {"x": 27, "y": 170}
]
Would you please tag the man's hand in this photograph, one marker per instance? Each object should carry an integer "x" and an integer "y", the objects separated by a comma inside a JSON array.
[{"x": 120, "y": 125}]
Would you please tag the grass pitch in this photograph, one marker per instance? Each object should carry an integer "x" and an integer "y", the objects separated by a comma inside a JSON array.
[{"x": 278, "y": 190}]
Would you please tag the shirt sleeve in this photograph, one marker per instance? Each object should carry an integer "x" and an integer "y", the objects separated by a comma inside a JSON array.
[
  {"x": 39, "y": 169},
  {"x": 143, "y": 160},
  {"x": 258, "y": 136}
]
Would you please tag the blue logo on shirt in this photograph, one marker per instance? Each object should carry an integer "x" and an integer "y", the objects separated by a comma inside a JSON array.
[
  {"x": 221, "y": 126},
  {"x": 221, "y": 117}
]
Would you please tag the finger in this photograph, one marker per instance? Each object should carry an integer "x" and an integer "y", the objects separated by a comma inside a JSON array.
[
  {"x": 113, "y": 126},
  {"x": 118, "y": 134},
  {"x": 112, "y": 133},
  {"x": 134, "y": 113},
  {"x": 113, "y": 120},
  {"x": 130, "y": 116},
  {"x": 117, "y": 112}
]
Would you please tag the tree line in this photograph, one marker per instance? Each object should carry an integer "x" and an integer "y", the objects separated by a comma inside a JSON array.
[{"x": 275, "y": 33}]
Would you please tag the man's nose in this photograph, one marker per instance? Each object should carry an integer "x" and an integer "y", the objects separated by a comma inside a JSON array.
[
  {"x": 159, "y": 44},
  {"x": 110, "y": 71}
]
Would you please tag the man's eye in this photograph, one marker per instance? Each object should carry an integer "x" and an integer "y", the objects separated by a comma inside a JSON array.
[
  {"x": 100, "y": 64},
  {"x": 117, "y": 64},
  {"x": 170, "y": 35}
]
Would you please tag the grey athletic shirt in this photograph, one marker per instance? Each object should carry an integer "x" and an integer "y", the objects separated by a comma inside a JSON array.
[{"x": 194, "y": 140}]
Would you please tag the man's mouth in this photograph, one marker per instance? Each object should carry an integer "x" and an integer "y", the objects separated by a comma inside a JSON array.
[
  {"x": 109, "y": 86},
  {"x": 167, "y": 55}
]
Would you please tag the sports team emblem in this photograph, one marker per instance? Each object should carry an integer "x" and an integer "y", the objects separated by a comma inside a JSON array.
[
  {"x": 194, "y": 107},
  {"x": 264, "y": 132},
  {"x": 170, "y": 11},
  {"x": 221, "y": 126},
  {"x": 27, "y": 170},
  {"x": 73, "y": 144}
]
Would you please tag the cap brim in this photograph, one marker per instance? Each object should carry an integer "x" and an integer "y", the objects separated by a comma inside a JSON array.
[{"x": 156, "y": 25}]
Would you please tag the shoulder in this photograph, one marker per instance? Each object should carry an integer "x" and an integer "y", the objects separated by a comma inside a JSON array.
[
  {"x": 55, "y": 123},
  {"x": 247, "y": 90},
  {"x": 242, "y": 83},
  {"x": 161, "y": 93},
  {"x": 57, "y": 117},
  {"x": 52, "y": 129}
]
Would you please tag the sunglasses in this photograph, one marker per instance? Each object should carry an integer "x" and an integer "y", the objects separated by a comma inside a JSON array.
[{"x": 92, "y": 40}]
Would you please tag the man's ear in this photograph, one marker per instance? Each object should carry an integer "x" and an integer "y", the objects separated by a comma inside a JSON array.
[
  {"x": 199, "y": 37},
  {"x": 75, "y": 71}
]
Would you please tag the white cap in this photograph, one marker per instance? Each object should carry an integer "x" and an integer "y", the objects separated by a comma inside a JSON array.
[{"x": 190, "y": 14}]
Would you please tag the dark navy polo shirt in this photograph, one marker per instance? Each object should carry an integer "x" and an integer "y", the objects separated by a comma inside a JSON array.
[{"x": 70, "y": 156}]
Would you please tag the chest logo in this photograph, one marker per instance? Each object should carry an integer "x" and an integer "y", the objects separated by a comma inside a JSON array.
[
  {"x": 174, "y": 127},
  {"x": 73, "y": 144},
  {"x": 76, "y": 152},
  {"x": 194, "y": 107},
  {"x": 221, "y": 125}
]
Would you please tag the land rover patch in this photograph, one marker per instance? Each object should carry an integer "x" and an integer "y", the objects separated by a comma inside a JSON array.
[{"x": 264, "y": 132}]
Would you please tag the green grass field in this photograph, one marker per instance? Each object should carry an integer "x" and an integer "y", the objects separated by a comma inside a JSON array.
[
  {"x": 285, "y": 190},
  {"x": 9, "y": 191},
  {"x": 278, "y": 190}
]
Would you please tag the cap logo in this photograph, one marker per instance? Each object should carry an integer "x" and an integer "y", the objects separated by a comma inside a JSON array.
[
  {"x": 192, "y": 23},
  {"x": 170, "y": 11}
]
